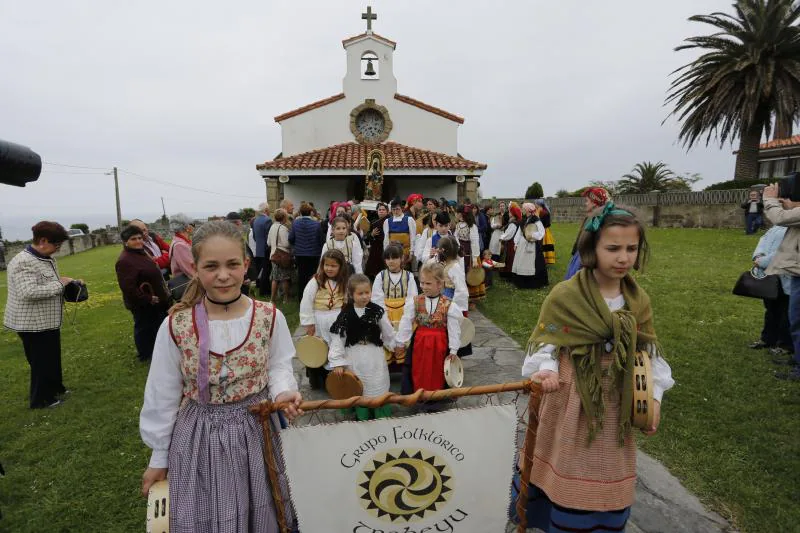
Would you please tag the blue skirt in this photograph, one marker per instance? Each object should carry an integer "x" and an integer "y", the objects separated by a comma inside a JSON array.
[{"x": 552, "y": 518}]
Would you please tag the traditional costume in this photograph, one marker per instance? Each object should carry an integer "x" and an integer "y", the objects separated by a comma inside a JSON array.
[
  {"x": 599, "y": 197},
  {"x": 529, "y": 269},
  {"x": 469, "y": 242},
  {"x": 495, "y": 245},
  {"x": 507, "y": 239},
  {"x": 391, "y": 291},
  {"x": 203, "y": 377},
  {"x": 584, "y": 464},
  {"x": 437, "y": 334},
  {"x": 455, "y": 288},
  {"x": 358, "y": 337},
  {"x": 374, "y": 262},
  {"x": 319, "y": 307},
  {"x": 402, "y": 229},
  {"x": 548, "y": 243},
  {"x": 351, "y": 248},
  {"x": 430, "y": 244}
]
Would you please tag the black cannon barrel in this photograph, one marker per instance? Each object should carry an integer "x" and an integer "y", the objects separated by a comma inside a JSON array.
[{"x": 18, "y": 164}]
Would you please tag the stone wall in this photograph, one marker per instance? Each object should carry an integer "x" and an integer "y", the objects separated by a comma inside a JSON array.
[
  {"x": 72, "y": 246},
  {"x": 701, "y": 209}
]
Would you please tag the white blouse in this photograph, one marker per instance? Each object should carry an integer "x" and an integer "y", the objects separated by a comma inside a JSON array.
[
  {"x": 337, "y": 356},
  {"x": 455, "y": 270},
  {"x": 510, "y": 232},
  {"x": 474, "y": 240},
  {"x": 544, "y": 359},
  {"x": 454, "y": 316},
  {"x": 538, "y": 233},
  {"x": 379, "y": 298},
  {"x": 164, "y": 389},
  {"x": 412, "y": 231},
  {"x": 356, "y": 253},
  {"x": 421, "y": 241}
]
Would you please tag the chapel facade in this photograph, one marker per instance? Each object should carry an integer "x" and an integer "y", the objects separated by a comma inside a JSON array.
[{"x": 325, "y": 145}]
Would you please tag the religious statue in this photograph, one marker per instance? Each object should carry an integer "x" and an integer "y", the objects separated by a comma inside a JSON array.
[{"x": 374, "y": 181}]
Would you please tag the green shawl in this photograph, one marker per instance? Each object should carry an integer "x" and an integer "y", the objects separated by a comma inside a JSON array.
[{"x": 576, "y": 317}]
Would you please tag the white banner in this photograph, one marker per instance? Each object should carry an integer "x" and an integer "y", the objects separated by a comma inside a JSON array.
[{"x": 441, "y": 472}]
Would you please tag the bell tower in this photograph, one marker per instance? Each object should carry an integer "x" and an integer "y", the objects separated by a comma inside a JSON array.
[{"x": 369, "y": 64}]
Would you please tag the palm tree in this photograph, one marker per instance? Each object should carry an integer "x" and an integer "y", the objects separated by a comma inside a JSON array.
[
  {"x": 647, "y": 177},
  {"x": 750, "y": 72}
]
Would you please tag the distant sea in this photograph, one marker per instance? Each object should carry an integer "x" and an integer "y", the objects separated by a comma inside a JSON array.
[{"x": 18, "y": 227}]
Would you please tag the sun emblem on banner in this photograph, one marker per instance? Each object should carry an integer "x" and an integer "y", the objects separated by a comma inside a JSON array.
[{"x": 404, "y": 484}]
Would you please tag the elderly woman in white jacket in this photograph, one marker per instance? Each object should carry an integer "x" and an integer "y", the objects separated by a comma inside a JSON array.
[{"x": 34, "y": 310}]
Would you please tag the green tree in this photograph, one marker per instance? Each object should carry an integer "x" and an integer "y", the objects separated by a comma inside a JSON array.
[
  {"x": 749, "y": 72},
  {"x": 647, "y": 177},
  {"x": 535, "y": 190},
  {"x": 247, "y": 213},
  {"x": 81, "y": 226}
]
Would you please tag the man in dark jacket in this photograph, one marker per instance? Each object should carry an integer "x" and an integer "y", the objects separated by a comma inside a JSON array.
[
  {"x": 261, "y": 226},
  {"x": 306, "y": 238},
  {"x": 753, "y": 212},
  {"x": 143, "y": 291}
]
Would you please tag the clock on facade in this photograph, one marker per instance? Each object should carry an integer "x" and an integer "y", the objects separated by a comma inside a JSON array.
[{"x": 370, "y": 123}]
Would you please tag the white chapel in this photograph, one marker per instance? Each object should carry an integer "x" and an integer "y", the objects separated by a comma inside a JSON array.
[{"x": 325, "y": 144}]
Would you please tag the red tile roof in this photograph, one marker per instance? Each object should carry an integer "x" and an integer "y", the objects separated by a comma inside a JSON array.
[
  {"x": 352, "y": 156},
  {"x": 309, "y": 107},
  {"x": 430, "y": 108},
  {"x": 781, "y": 143},
  {"x": 375, "y": 35}
]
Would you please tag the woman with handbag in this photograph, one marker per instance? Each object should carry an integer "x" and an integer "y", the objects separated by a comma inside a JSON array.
[
  {"x": 281, "y": 257},
  {"x": 35, "y": 309}
]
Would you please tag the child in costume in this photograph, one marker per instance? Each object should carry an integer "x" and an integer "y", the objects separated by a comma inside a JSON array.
[
  {"x": 400, "y": 227},
  {"x": 393, "y": 287},
  {"x": 347, "y": 243},
  {"x": 323, "y": 298},
  {"x": 436, "y": 337},
  {"x": 430, "y": 253},
  {"x": 358, "y": 337},
  {"x": 218, "y": 353},
  {"x": 582, "y": 352},
  {"x": 489, "y": 265},
  {"x": 469, "y": 240},
  {"x": 455, "y": 283}
]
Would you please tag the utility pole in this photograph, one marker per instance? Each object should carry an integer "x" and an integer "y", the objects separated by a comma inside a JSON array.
[
  {"x": 163, "y": 209},
  {"x": 116, "y": 191}
]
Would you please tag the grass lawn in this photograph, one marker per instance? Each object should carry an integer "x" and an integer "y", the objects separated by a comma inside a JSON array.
[{"x": 729, "y": 430}]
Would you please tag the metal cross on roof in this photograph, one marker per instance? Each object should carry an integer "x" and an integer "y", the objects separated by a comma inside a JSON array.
[{"x": 369, "y": 16}]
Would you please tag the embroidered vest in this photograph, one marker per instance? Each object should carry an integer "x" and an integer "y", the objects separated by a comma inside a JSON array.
[
  {"x": 235, "y": 375},
  {"x": 462, "y": 231},
  {"x": 399, "y": 226},
  {"x": 347, "y": 249},
  {"x": 395, "y": 290},
  {"x": 437, "y": 319},
  {"x": 327, "y": 300}
]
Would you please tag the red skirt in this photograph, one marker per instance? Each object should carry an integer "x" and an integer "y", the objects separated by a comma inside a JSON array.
[{"x": 427, "y": 359}]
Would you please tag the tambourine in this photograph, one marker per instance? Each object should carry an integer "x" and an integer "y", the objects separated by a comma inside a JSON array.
[
  {"x": 364, "y": 224},
  {"x": 529, "y": 233},
  {"x": 642, "y": 377},
  {"x": 158, "y": 508},
  {"x": 467, "y": 332},
  {"x": 312, "y": 351},
  {"x": 343, "y": 387},
  {"x": 475, "y": 276},
  {"x": 453, "y": 372}
]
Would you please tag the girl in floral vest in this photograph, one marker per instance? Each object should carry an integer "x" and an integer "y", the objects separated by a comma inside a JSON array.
[
  {"x": 582, "y": 352},
  {"x": 218, "y": 353},
  {"x": 323, "y": 298}
]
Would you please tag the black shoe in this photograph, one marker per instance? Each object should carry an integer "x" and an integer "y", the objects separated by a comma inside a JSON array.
[
  {"x": 791, "y": 375},
  {"x": 784, "y": 360},
  {"x": 758, "y": 345},
  {"x": 779, "y": 352}
]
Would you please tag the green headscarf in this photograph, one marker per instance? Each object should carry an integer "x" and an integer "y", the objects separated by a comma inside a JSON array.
[{"x": 576, "y": 317}]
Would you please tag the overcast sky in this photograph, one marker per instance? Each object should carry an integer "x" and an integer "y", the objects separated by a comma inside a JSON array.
[{"x": 185, "y": 91}]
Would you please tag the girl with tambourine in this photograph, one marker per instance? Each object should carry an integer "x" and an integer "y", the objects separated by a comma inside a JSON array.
[
  {"x": 582, "y": 351},
  {"x": 358, "y": 337}
]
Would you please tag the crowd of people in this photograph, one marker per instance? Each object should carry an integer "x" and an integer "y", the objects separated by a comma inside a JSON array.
[{"x": 386, "y": 290}]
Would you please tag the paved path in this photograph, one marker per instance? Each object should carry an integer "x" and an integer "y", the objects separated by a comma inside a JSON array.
[{"x": 662, "y": 505}]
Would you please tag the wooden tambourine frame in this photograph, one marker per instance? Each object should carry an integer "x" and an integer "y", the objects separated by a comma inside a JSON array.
[
  {"x": 642, "y": 376},
  {"x": 158, "y": 508}
]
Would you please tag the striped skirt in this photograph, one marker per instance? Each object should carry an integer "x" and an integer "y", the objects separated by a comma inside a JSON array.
[
  {"x": 217, "y": 477},
  {"x": 549, "y": 247},
  {"x": 543, "y": 514}
]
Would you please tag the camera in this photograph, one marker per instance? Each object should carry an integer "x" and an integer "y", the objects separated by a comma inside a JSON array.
[
  {"x": 789, "y": 187},
  {"x": 19, "y": 164}
]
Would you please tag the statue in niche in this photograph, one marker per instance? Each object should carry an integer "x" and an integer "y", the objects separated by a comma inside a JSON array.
[{"x": 374, "y": 182}]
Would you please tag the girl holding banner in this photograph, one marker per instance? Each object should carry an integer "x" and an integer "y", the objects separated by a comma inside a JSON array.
[
  {"x": 582, "y": 351},
  {"x": 218, "y": 353}
]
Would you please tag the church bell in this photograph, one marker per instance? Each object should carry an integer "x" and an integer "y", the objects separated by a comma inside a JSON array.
[{"x": 370, "y": 70}]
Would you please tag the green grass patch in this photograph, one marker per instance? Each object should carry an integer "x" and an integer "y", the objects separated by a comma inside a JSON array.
[
  {"x": 78, "y": 467},
  {"x": 729, "y": 430}
]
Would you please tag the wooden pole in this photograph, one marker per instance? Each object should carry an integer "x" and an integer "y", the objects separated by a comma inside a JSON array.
[
  {"x": 116, "y": 192},
  {"x": 267, "y": 407},
  {"x": 527, "y": 456},
  {"x": 272, "y": 472}
]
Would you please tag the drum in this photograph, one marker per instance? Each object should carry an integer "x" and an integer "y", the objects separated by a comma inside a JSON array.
[
  {"x": 467, "y": 332},
  {"x": 453, "y": 372},
  {"x": 312, "y": 351},
  {"x": 343, "y": 387},
  {"x": 475, "y": 276},
  {"x": 642, "y": 376},
  {"x": 158, "y": 508}
]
